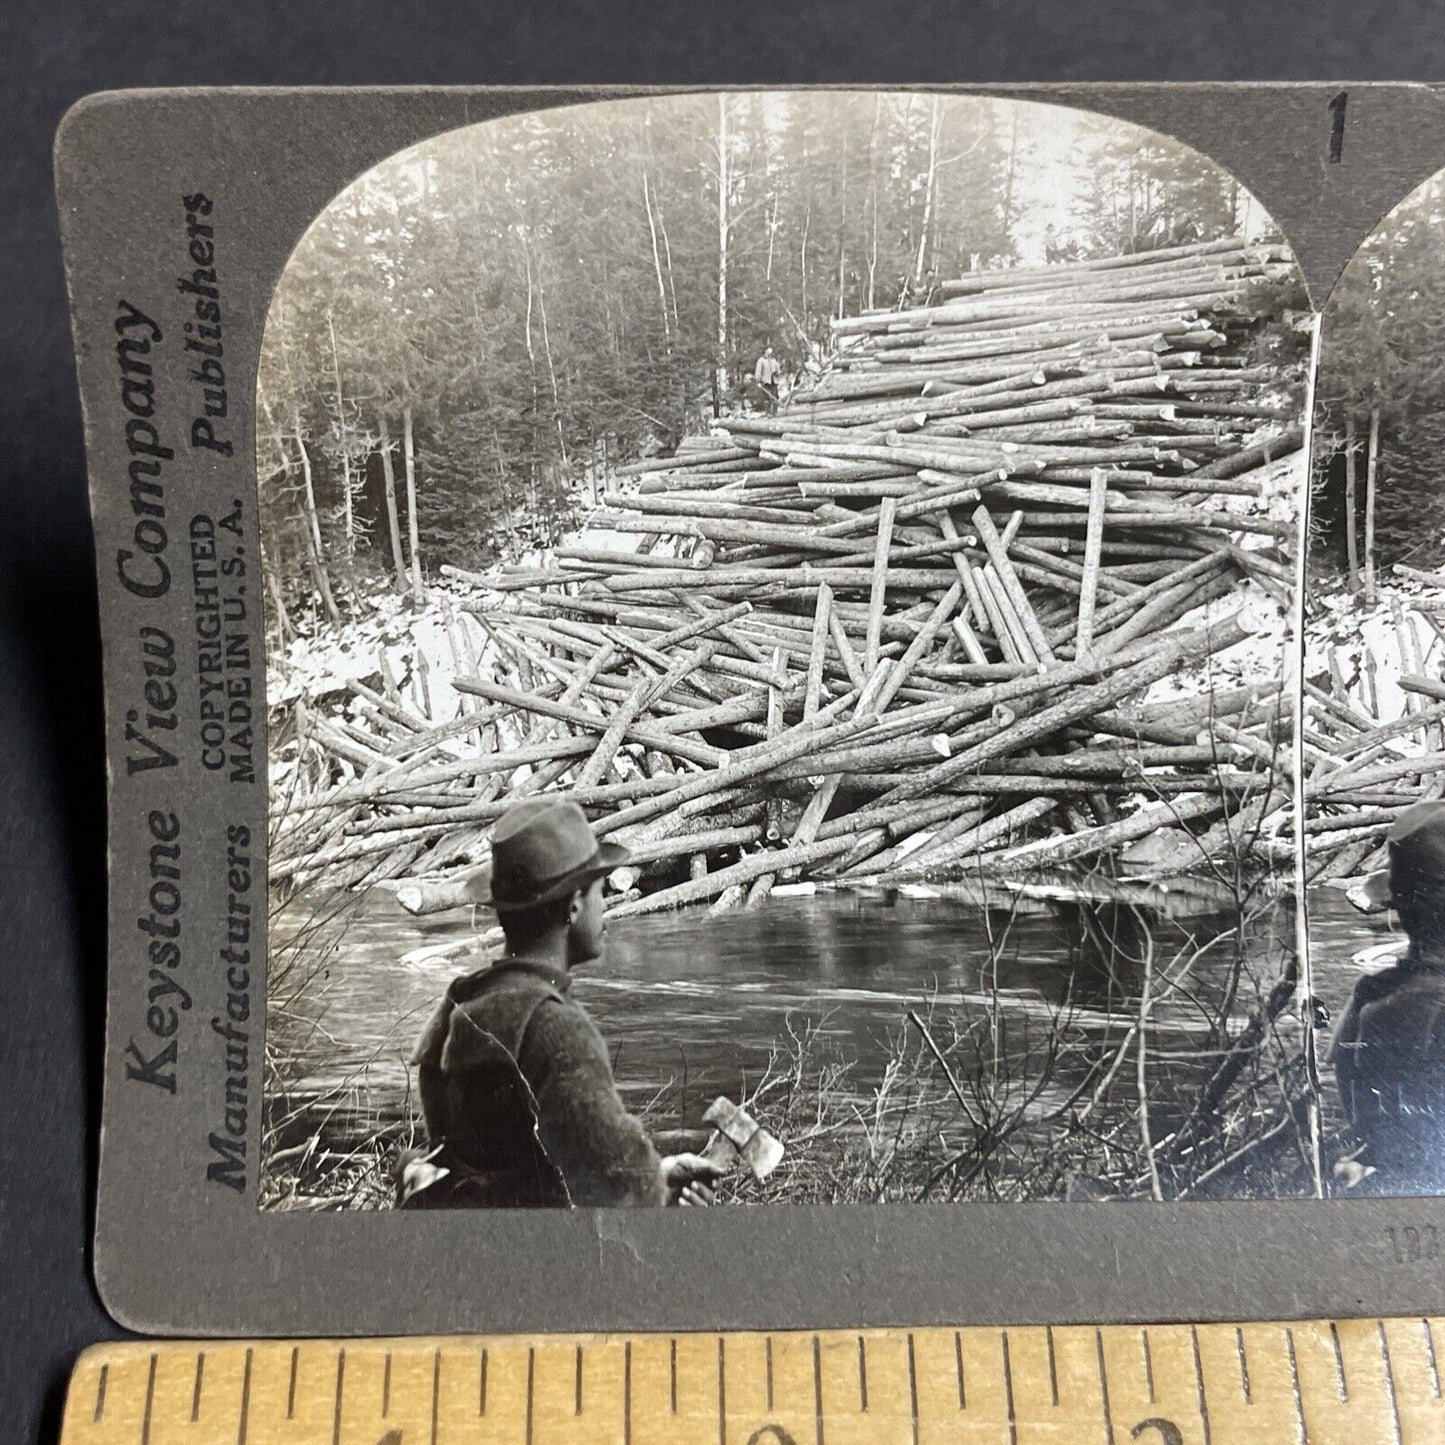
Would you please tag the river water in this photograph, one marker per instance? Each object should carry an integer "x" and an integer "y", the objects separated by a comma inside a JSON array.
[{"x": 694, "y": 1006}]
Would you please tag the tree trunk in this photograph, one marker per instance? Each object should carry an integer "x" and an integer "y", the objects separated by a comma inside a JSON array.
[
  {"x": 667, "y": 257},
  {"x": 532, "y": 367},
  {"x": 284, "y": 629},
  {"x": 655, "y": 211},
  {"x": 720, "y": 369},
  {"x": 1372, "y": 462},
  {"x": 388, "y": 473},
  {"x": 803, "y": 266},
  {"x": 842, "y": 228},
  {"x": 504, "y": 484},
  {"x": 1008, "y": 188},
  {"x": 935, "y": 126},
  {"x": 313, "y": 527},
  {"x": 1352, "y": 550},
  {"x": 656, "y": 259},
  {"x": 552, "y": 372},
  {"x": 348, "y": 510},
  {"x": 413, "y": 537},
  {"x": 873, "y": 199}
]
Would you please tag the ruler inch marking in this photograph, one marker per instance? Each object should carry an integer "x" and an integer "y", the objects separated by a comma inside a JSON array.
[
  {"x": 672, "y": 1371},
  {"x": 1104, "y": 1387},
  {"x": 958, "y": 1365},
  {"x": 196, "y": 1393},
  {"x": 1008, "y": 1390},
  {"x": 913, "y": 1385},
  {"x": 577, "y": 1384},
  {"x": 1148, "y": 1363},
  {"x": 340, "y": 1377},
  {"x": 145, "y": 1426},
  {"x": 1390, "y": 1382},
  {"x": 531, "y": 1376},
  {"x": 1341, "y": 1384},
  {"x": 1243, "y": 1366},
  {"x": 1199, "y": 1382},
  {"x": 627, "y": 1393},
  {"x": 245, "y": 1402},
  {"x": 862, "y": 1375},
  {"x": 722, "y": 1392},
  {"x": 386, "y": 1387},
  {"x": 436, "y": 1392},
  {"x": 291, "y": 1389},
  {"x": 1053, "y": 1365},
  {"x": 1430, "y": 1353},
  {"x": 768, "y": 1354},
  {"x": 99, "y": 1414},
  {"x": 482, "y": 1384},
  {"x": 1299, "y": 1404},
  {"x": 818, "y": 1389}
]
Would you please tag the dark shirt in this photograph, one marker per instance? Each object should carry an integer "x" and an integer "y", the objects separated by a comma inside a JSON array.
[
  {"x": 1389, "y": 1057},
  {"x": 517, "y": 1089}
]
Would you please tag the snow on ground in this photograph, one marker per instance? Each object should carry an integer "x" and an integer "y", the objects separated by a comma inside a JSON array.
[
  {"x": 1393, "y": 634},
  {"x": 417, "y": 646}
]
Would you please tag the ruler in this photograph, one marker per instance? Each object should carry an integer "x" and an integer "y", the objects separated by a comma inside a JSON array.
[{"x": 1354, "y": 1381}]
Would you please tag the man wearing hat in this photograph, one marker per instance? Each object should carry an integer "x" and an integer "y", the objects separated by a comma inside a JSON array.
[
  {"x": 1389, "y": 1051},
  {"x": 517, "y": 1092}
]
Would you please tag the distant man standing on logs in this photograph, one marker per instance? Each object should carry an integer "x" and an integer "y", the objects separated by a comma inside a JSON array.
[
  {"x": 768, "y": 373},
  {"x": 1389, "y": 1051},
  {"x": 516, "y": 1085}
]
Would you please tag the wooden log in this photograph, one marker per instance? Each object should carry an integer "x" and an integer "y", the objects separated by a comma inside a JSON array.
[
  {"x": 747, "y": 763},
  {"x": 693, "y": 751},
  {"x": 975, "y": 841},
  {"x": 877, "y": 595},
  {"x": 721, "y": 579},
  {"x": 1269, "y": 449},
  {"x": 1093, "y": 542},
  {"x": 1082, "y": 703},
  {"x": 836, "y": 630},
  {"x": 1415, "y": 574},
  {"x": 682, "y": 463},
  {"x": 990, "y": 611},
  {"x": 818, "y": 649},
  {"x": 1355, "y": 777},
  {"x": 1157, "y": 818},
  {"x": 918, "y": 648},
  {"x": 647, "y": 690},
  {"x": 771, "y": 860}
]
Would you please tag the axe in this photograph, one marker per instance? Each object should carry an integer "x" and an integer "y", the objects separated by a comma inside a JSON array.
[{"x": 739, "y": 1136}]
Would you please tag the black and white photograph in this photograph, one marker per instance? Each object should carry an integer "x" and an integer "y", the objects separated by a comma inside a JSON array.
[
  {"x": 782, "y": 632},
  {"x": 1374, "y": 689}
]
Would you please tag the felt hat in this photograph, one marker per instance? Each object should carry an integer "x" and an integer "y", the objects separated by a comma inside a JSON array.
[
  {"x": 542, "y": 850},
  {"x": 1416, "y": 843}
]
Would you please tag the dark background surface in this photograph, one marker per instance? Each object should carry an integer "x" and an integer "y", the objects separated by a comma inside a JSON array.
[{"x": 52, "y": 850}]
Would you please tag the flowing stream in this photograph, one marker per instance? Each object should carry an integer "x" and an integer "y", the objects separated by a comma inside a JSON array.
[{"x": 694, "y": 1006}]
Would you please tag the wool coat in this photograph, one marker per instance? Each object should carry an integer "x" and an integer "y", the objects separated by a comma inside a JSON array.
[
  {"x": 520, "y": 1104},
  {"x": 1389, "y": 1057}
]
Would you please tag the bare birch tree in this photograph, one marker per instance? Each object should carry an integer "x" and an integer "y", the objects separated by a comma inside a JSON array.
[
  {"x": 724, "y": 227},
  {"x": 388, "y": 474}
]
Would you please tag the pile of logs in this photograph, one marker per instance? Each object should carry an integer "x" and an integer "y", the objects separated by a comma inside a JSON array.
[
  {"x": 1374, "y": 734},
  {"x": 916, "y": 623}
]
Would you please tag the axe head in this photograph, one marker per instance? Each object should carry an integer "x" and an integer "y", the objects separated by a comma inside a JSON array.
[{"x": 740, "y": 1137}]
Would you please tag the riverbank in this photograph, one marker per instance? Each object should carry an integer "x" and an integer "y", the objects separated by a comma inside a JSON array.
[
  {"x": 814, "y": 1011},
  {"x": 926, "y": 1135}
]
